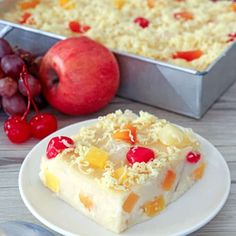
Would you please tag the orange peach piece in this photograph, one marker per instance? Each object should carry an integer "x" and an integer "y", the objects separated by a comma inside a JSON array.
[
  {"x": 168, "y": 180},
  {"x": 150, "y": 3},
  {"x": 127, "y": 134},
  {"x": 130, "y": 202},
  {"x": 86, "y": 201},
  {"x": 184, "y": 15},
  {"x": 199, "y": 171},
  {"x": 154, "y": 207},
  {"x": 29, "y": 4},
  {"x": 233, "y": 6}
]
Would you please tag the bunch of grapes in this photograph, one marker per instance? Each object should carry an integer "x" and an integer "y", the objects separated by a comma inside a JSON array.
[
  {"x": 19, "y": 89},
  {"x": 12, "y": 90}
]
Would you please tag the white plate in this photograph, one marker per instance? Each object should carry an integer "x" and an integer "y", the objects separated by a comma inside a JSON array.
[{"x": 193, "y": 210}]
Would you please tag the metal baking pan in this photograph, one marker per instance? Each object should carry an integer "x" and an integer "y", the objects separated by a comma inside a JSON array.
[{"x": 153, "y": 82}]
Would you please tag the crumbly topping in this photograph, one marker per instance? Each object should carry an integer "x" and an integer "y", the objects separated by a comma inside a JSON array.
[
  {"x": 100, "y": 136},
  {"x": 114, "y": 25}
]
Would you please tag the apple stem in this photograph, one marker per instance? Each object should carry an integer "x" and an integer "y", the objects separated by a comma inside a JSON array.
[{"x": 25, "y": 78}]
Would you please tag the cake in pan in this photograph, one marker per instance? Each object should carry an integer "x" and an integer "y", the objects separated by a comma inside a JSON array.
[
  {"x": 124, "y": 168},
  {"x": 188, "y": 33}
]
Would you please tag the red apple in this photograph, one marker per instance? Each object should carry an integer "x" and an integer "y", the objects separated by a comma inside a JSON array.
[{"x": 79, "y": 76}]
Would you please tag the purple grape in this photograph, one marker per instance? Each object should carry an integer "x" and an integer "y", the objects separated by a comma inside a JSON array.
[
  {"x": 35, "y": 65},
  {"x": 1, "y": 73},
  {"x": 5, "y": 48},
  {"x": 12, "y": 65},
  {"x": 34, "y": 86},
  {"x": 40, "y": 101},
  {"x": 14, "y": 105},
  {"x": 26, "y": 56},
  {"x": 8, "y": 87}
]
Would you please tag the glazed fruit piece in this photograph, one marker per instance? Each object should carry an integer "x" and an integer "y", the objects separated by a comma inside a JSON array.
[
  {"x": 124, "y": 169},
  {"x": 126, "y": 134}
]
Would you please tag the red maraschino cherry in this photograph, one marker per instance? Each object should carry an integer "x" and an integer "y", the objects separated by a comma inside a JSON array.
[
  {"x": 57, "y": 145},
  {"x": 19, "y": 130},
  {"x": 193, "y": 157},
  {"x": 140, "y": 154},
  {"x": 42, "y": 125},
  {"x": 142, "y": 22}
]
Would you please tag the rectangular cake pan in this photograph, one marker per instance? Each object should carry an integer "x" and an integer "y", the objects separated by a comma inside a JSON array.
[{"x": 160, "y": 84}]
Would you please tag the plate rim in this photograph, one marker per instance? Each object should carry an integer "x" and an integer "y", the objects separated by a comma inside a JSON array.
[{"x": 65, "y": 232}]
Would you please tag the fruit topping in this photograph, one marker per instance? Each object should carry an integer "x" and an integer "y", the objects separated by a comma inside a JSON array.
[
  {"x": 120, "y": 174},
  {"x": 142, "y": 22},
  {"x": 67, "y": 4},
  {"x": 188, "y": 55},
  {"x": 233, "y": 6},
  {"x": 140, "y": 154},
  {"x": 119, "y": 4},
  {"x": 85, "y": 28},
  {"x": 127, "y": 134},
  {"x": 97, "y": 157},
  {"x": 169, "y": 180},
  {"x": 199, "y": 171},
  {"x": 193, "y": 157},
  {"x": 57, "y": 145},
  {"x": 17, "y": 129},
  {"x": 171, "y": 135},
  {"x": 130, "y": 202},
  {"x": 25, "y": 18},
  {"x": 150, "y": 3},
  {"x": 152, "y": 208},
  {"x": 86, "y": 201},
  {"x": 51, "y": 181},
  {"x": 76, "y": 27},
  {"x": 29, "y": 4},
  {"x": 183, "y": 15},
  {"x": 231, "y": 37}
]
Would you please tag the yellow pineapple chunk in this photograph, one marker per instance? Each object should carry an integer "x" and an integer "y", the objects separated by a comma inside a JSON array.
[
  {"x": 152, "y": 208},
  {"x": 130, "y": 202},
  {"x": 120, "y": 174},
  {"x": 171, "y": 135},
  {"x": 97, "y": 157},
  {"x": 119, "y": 4},
  {"x": 51, "y": 181},
  {"x": 199, "y": 171},
  {"x": 67, "y": 4},
  {"x": 86, "y": 201}
]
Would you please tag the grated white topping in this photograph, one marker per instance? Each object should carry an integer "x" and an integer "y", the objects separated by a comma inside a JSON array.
[{"x": 100, "y": 135}]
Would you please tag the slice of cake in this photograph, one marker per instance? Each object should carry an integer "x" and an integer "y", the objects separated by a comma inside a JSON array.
[{"x": 124, "y": 169}]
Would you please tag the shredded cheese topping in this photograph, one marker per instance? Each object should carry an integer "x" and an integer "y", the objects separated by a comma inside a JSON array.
[{"x": 100, "y": 135}]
